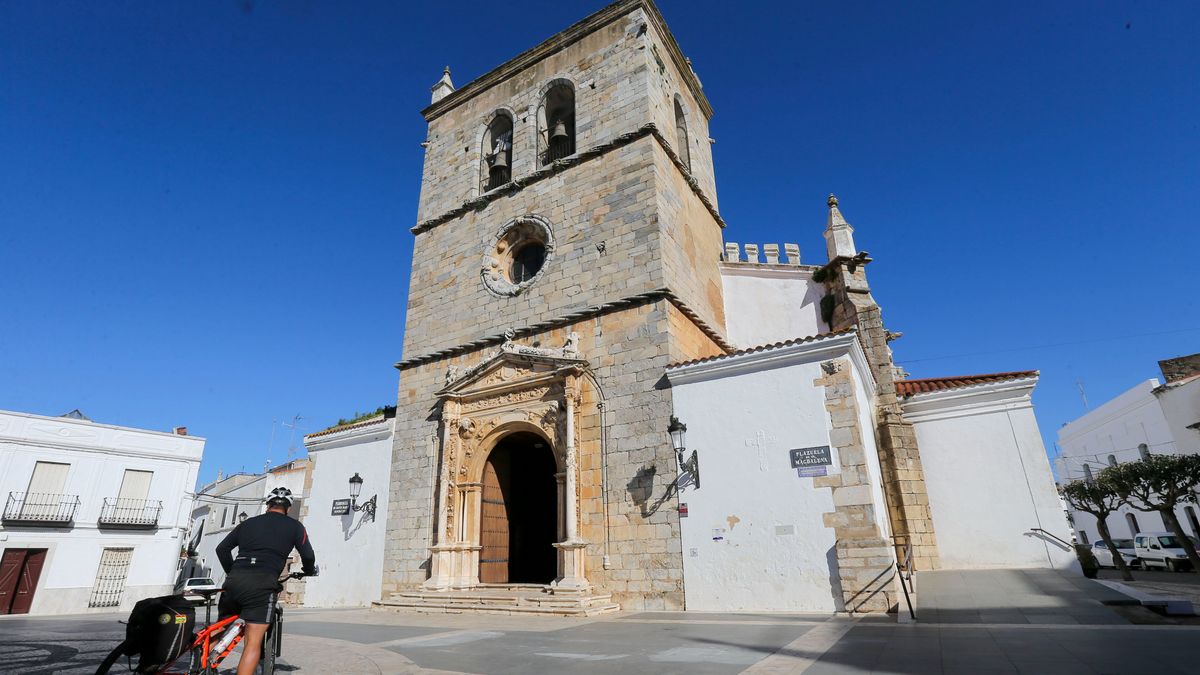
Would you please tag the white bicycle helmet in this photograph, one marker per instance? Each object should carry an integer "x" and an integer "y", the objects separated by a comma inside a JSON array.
[{"x": 280, "y": 496}]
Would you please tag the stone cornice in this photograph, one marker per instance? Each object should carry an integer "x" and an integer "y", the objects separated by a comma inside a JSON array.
[
  {"x": 560, "y": 165},
  {"x": 564, "y": 39},
  {"x": 566, "y": 320},
  {"x": 766, "y": 270}
]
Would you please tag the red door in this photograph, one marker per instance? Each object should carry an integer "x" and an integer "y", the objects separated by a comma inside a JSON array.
[
  {"x": 19, "y": 572},
  {"x": 10, "y": 570}
]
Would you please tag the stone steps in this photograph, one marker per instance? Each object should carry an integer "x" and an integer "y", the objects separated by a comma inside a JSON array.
[{"x": 501, "y": 599}]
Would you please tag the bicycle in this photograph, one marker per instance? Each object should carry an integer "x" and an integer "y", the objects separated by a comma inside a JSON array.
[{"x": 202, "y": 659}]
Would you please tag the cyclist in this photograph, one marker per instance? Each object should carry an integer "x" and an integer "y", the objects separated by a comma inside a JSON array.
[{"x": 264, "y": 543}]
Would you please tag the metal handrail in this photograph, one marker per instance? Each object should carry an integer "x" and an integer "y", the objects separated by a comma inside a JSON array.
[
  {"x": 130, "y": 512},
  {"x": 905, "y": 573},
  {"x": 40, "y": 508},
  {"x": 1052, "y": 536}
]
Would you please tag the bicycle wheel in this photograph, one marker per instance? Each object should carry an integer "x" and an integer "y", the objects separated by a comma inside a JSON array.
[
  {"x": 111, "y": 659},
  {"x": 267, "y": 662}
]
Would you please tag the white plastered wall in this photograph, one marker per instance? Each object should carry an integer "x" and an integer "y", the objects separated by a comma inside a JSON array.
[
  {"x": 349, "y": 548},
  {"x": 768, "y": 304},
  {"x": 754, "y": 537},
  {"x": 988, "y": 478}
]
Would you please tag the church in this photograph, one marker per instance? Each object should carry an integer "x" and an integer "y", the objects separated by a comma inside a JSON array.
[{"x": 606, "y": 402}]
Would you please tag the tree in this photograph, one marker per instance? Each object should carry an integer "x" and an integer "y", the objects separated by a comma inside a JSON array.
[
  {"x": 1100, "y": 499},
  {"x": 1160, "y": 483}
]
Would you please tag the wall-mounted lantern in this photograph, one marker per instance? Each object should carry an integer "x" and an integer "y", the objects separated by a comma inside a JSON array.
[
  {"x": 678, "y": 431},
  {"x": 356, "y": 483}
]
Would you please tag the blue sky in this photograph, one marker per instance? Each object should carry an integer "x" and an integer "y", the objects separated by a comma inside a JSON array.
[{"x": 204, "y": 207}]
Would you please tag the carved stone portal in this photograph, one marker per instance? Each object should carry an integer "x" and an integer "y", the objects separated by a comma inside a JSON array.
[{"x": 519, "y": 389}]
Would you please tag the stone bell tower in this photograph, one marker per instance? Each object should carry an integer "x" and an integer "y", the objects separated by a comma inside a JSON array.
[{"x": 565, "y": 251}]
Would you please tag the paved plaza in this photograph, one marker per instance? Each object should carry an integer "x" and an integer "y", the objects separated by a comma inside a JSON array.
[{"x": 977, "y": 623}]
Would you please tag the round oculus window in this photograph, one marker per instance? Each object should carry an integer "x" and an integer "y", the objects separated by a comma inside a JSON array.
[{"x": 518, "y": 255}]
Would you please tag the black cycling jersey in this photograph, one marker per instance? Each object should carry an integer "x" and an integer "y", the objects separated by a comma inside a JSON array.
[{"x": 264, "y": 543}]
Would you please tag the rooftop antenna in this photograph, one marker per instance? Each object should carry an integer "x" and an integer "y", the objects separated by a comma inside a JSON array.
[
  {"x": 271, "y": 447},
  {"x": 292, "y": 435},
  {"x": 1082, "y": 394}
]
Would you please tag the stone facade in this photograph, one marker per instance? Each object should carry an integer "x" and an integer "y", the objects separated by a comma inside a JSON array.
[
  {"x": 864, "y": 558},
  {"x": 630, "y": 279}
]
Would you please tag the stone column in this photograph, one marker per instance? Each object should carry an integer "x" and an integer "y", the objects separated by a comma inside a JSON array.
[
  {"x": 466, "y": 551},
  {"x": 571, "y": 479},
  {"x": 440, "y": 562},
  {"x": 570, "y": 551}
]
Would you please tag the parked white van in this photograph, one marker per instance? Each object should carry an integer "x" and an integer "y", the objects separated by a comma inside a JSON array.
[{"x": 1161, "y": 549}]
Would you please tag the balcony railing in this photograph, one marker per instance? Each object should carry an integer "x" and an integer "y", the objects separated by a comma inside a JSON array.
[
  {"x": 130, "y": 513},
  {"x": 40, "y": 508}
]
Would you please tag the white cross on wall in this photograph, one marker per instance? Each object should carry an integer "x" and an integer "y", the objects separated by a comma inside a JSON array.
[{"x": 761, "y": 440}]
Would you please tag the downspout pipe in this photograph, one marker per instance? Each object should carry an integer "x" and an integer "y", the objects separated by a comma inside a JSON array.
[{"x": 602, "y": 405}]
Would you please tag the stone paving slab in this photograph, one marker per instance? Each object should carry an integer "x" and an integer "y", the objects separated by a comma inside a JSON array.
[
  {"x": 1014, "y": 596},
  {"x": 373, "y": 643},
  {"x": 1042, "y": 650}
]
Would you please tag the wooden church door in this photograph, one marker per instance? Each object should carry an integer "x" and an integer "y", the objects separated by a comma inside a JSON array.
[{"x": 494, "y": 533}]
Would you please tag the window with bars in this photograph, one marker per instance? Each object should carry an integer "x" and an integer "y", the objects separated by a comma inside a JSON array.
[{"x": 110, "y": 577}]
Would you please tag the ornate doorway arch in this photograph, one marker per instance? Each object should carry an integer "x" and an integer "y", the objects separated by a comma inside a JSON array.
[
  {"x": 519, "y": 512},
  {"x": 507, "y": 404}
]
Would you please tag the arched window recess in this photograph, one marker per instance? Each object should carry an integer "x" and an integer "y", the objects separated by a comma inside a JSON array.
[
  {"x": 497, "y": 152},
  {"x": 681, "y": 136},
  {"x": 556, "y": 122}
]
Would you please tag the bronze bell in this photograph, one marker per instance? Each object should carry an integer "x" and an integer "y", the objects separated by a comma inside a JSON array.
[
  {"x": 500, "y": 160},
  {"x": 560, "y": 131}
]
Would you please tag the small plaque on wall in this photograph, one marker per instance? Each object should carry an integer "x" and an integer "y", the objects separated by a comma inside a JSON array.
[
  {"x": 806, "y": 457},
  {"x": 341, "y": 507}
]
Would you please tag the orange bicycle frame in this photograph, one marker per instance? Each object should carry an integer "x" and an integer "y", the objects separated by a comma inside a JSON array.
[{"x": 204, "y": 641}]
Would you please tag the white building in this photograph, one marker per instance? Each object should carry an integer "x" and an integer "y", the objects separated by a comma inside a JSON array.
[
  {"x": 991, "y": 491},
  {"x": 348, "y": 543},
  {"x": 224, "y": 503},
  {"x": 1149, "y": 418},
  {"x": 761, "y": 534},
  {"x": 220, "y": 506},
  {"x": 95, "y": 515}
]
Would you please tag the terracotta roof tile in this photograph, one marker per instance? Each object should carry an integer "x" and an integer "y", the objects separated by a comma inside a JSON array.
[
  {"x": 346, "y": 427},
  {"x": 907, "y": 388},
  {"x": 762, "y": 348}
]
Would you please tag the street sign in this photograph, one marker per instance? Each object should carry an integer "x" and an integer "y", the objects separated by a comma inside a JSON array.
[
  {"x": 810, "y": 457},
  {"x": 341, "y": 507}
]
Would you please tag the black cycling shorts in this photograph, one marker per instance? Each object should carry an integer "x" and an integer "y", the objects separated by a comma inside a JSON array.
[{"x": 250, "y": 595}]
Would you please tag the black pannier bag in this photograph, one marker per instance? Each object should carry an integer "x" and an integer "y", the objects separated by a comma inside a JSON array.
[{"x": 159, "y": 630}]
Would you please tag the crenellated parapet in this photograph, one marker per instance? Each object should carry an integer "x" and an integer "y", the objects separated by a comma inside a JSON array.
[{"x": 770, "y": 254}]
